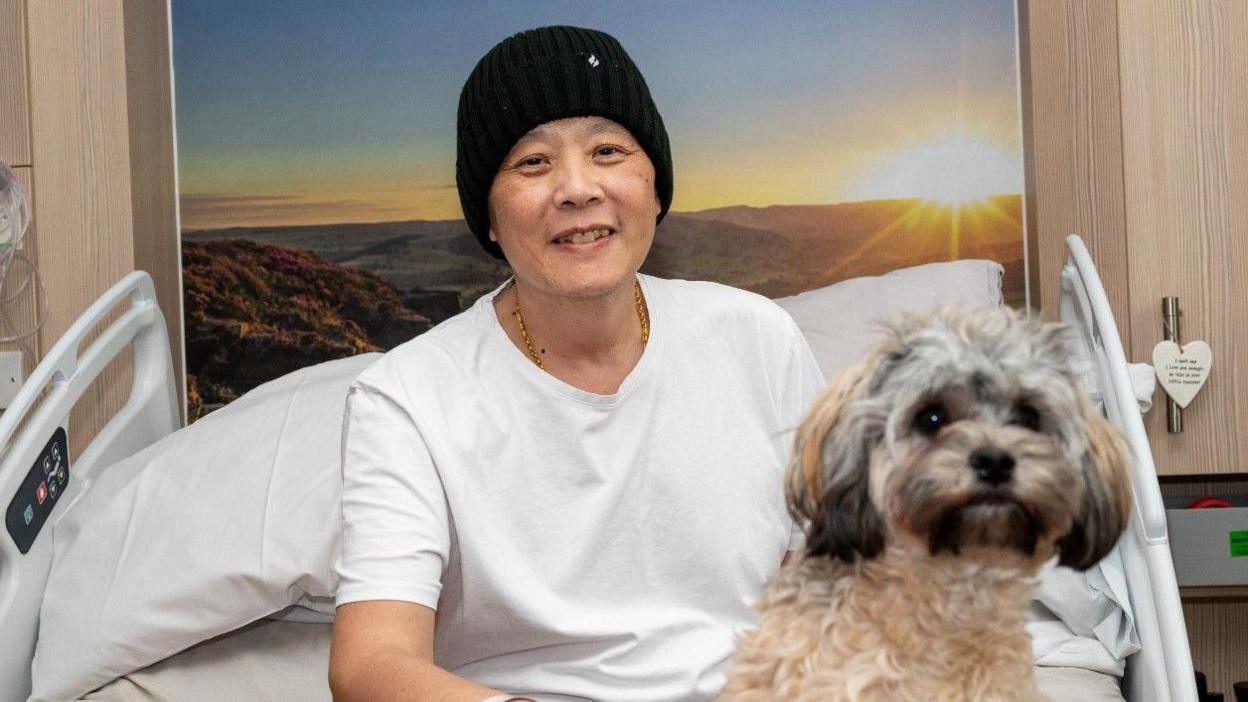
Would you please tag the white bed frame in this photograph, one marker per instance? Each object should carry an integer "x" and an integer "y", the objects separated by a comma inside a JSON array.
[
  {"x": 1160, "y": 672},
  {"x": 42, "y": 405}
]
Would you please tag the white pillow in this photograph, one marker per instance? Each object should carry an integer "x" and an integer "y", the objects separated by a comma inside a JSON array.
[
  {"x": 842, "y": 321},
  {"x": 213, "y": 527}
]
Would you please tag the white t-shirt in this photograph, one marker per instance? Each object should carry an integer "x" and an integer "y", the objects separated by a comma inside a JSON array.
[{"x": 580, "y": 546}]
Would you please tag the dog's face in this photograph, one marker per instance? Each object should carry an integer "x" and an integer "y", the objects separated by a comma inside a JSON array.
[{"x": 965, "y": 432}]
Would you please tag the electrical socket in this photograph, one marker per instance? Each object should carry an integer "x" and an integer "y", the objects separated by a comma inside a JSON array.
[{"x": 10, "y": 377}]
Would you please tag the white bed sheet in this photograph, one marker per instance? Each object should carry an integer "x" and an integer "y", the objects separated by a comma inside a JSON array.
[
  {"x": 268, "y": 660},
  {"x": 278, "y": 661}
]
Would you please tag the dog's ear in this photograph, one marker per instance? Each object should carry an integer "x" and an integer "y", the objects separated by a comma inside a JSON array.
[
  {"x": 1106, "y": 498},
  {"x": 834, "y": 499}
]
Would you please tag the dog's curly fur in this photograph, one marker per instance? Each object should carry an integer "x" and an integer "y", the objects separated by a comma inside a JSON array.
[{"x": 935, "y": 479}]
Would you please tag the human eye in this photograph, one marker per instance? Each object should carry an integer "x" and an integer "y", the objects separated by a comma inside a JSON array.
[
  {"x": 610, "y": 152},
  {"x": 529, "y": 163}
]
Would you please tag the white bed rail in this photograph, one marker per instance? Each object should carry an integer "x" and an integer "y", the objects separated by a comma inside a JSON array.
[
  {"x": 64, "y": 374},
  {"x": 1162, "y": 670}
]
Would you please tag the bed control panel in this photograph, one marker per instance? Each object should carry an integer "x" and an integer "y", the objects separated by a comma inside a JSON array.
[{"x": 43, "y": 486}]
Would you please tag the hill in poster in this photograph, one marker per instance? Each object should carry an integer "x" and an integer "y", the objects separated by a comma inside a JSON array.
[
  {"x": 775, "y": 251},
  {"x": 261, "y": 301}
]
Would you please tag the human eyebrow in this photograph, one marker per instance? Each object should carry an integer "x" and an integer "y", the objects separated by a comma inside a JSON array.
[
  {"x": 532, "y": 140},
  {"x": 609, "y": 129}
]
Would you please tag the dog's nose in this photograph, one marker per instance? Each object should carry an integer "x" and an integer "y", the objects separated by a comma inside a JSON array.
[{"x": 992, "y": 465}]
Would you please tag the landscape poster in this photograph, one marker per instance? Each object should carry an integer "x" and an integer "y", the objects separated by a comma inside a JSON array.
[{"x": 812, "y": 142}]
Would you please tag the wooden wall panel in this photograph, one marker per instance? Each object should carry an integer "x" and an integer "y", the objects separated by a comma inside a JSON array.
[
  {"x": 23, "y": 311},
  {"x": 1218, "y": 631},
  {"x": 81, "y": 151},
  {"x": 1185, "y": 137},
  {"x": 153, "y": 192},
  {"x": 14, "y": 115},
  {"x": 1073, "y": 145}
]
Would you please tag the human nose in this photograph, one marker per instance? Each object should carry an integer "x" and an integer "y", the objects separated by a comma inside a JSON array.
[{"x": 578, "y": 185}]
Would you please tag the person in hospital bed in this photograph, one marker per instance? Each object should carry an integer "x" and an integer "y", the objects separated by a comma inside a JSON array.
[{"x": 572, "y": 490}]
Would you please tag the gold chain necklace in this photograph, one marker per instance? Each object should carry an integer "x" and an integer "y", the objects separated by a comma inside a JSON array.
[{"x": 641, "y": 316}]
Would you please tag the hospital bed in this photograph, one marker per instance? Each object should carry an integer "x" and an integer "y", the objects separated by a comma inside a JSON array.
[{"x": 290, "y": 646}]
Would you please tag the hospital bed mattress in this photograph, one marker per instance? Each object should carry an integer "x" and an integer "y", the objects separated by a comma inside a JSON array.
[{"x": 279, "y": 660}]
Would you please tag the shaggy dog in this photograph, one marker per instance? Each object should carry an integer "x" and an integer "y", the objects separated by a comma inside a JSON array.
[{"x": 935, "y": 479}]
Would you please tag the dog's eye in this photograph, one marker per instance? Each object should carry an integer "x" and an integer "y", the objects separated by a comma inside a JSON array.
[
  {"x": 1027, "y": 417},
  {"x": 931, "y": 418}
]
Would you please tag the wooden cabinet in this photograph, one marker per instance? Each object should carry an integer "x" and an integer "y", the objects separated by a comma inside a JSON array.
[
  {"x": 1136, "y": 121},
  {"x": 1184, "y": 68}
]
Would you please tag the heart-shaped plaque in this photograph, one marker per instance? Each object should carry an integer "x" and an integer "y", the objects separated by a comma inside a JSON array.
[{"x": 1182, "y": 371}]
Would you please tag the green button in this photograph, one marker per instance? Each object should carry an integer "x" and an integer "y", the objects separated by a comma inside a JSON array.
[{"x": 1239, "y": 544}]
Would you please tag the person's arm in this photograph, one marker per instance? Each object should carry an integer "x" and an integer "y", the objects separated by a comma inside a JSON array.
[
  {"x": 396, "y": 542},
  {"x": 382, "y": 651}
]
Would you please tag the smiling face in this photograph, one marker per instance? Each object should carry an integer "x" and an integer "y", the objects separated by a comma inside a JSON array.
[{"x": 574, "y": 207}]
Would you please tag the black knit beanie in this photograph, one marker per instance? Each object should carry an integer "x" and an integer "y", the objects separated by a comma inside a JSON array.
[{"x": 539, "y": 76}]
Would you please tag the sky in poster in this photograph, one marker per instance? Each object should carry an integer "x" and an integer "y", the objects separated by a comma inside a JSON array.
[{"x": 298, "y": 112}]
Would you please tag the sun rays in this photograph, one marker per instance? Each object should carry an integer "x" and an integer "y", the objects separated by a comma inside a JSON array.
[{"x": 922, "y": 224}]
